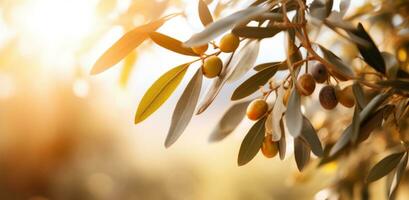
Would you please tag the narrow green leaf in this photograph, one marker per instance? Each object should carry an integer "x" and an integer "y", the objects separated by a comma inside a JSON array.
[
  {"x": 230, "y": 120},
  {"x": 256, "y": 32},
  {"x": 372, "y": 106},
  {"x": 251, "y": 143},
  {"x": 293, "y": 115},
  {"x": 159, "y": 92},
  {"x": 356, "y": 124},
  {"x": 171, "y": 44},
  {"x": 384, "y": 166},
  {"x": 124, "y": 46},
  {"x": 374, "y": 121},
  {"x": 282, "y": 143},
  {"x": 401, "y": 85},
  {"x": 301, "y": 153},
  {"x": 370, "y": 52},
  {"x": 263, "y": 66},
  {"x": 254, "y": 83},
  {"x": 244, "y": 60},
  {"x": 277, "y": 114},
  {"x": 359, "y": 95},
  {"x": 397, "y": 177},
  {"x": 204, "y": 13},
  {"x": 309, "y": 134},
  {"x": 185, "y": 108},
  {"x": 342, "y": 142},
  {"x": 221, "y": 26}
]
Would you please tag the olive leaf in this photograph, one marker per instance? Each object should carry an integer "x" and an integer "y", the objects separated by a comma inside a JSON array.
[
  {"x": 309, "y": 134},
  {"x": 356, "y": 124},
  {"x": 337, "y": 64},
  {"x": 252, "y": 142},
  {"x": 293, "y": 115},
  {"x": 370, "y": 52},
  {"x": 278, "y": 65},
  {"x": 171, "y": 44},
  {"x": 397, "y": 177},
  {"x": 230, "y": 120},
  {"x": 373, "y": 105},
  {"x": 359, "y": 95},
  {"x": 320, "y": 9},
  {"x": 245, "y": 60},
  {"x": 342, "y": 142},
  {"x": 204, "y": 13},
  {"x": 125, "y": 45},
  {"x": 385, "y": 166},
  {"x": 221, "y": 26},
  {"x": 282, "y": 143},
  {"x": 277, "y": 114},
  {"x": 256, "y": 32},
  {"x": 301, "y": 153},
  {"x": 159, "y": 92},
  {"x": 185, "y": 108},
  {"x": 254, "y": 83},
  {"x": 374, "y": 122},
  {"x": 401, "y": 85}
]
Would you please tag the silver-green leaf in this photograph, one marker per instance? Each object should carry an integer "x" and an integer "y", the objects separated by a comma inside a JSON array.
[{"x": 185, "y": 108}]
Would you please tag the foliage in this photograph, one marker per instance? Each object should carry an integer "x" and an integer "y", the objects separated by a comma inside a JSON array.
[{"x": 378, "y": 77}]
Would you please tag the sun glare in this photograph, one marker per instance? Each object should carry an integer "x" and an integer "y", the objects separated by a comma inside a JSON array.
[{"x": 57, "y": 22}]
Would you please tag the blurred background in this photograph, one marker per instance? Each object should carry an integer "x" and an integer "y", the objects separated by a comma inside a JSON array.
[{"x": 67, "y": 135}]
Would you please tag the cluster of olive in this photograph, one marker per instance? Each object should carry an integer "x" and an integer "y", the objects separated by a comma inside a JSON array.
[
  {"x": 329, "y": 97},
  {"x": 213, "y": 65}
]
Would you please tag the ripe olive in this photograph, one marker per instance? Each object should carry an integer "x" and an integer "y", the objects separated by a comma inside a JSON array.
[
  {"x": 328, "y": 98},
  {"x": 200, "y": 50},
  {"x": 229, "y": 43},
  {"x": 212, "y": 66},
  {"x": 257, "y": 109},
  {"x": 306, "y": 84},
  {"x": 320, "y": 73},
  {"x": 346, "y": 96},
  {"x": 269, "y": 148}
]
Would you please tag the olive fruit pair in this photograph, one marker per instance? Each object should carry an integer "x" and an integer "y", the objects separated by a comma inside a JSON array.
[
  {"x": 213, "y": 65},
  {"x": 269, "y": 148},
  {"x": 330, "y": 96},
  {"x": 306, "y": 83},
  {"x": 228, "y": 44}
]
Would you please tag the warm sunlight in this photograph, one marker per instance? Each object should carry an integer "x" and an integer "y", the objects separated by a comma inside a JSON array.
[
  {"x": 55, "y": 23},
  {"x": 204, "y": 99}
]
